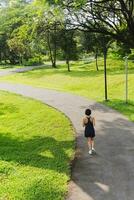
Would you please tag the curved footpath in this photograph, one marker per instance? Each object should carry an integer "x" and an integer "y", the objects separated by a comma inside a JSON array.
[
  {"x": 109, "y": 175},
  {"x": 6, "y": 72}
]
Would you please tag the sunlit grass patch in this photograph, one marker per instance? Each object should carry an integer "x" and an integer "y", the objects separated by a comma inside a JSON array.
[{"x": 36, "y": 146}]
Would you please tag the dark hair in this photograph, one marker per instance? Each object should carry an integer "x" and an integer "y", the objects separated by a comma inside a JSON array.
[{"x": 88, "y": 112}]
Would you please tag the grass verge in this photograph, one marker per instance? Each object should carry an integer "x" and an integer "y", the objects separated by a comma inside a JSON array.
[{"x": 36, "y": 146}]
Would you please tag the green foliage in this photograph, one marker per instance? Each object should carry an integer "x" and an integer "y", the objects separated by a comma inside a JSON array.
[
  {"x": 46, "y": 30},
  {"x": 14, "y": 32},
  {"x": 68, "y": 44},
  {"x": 19, "y": 43},
  {"x": 120, "y": 50},
  {"x": 131, "y": 56},
  {"x": 33, "y": 61},
  {"x": 31, "y": 27}
]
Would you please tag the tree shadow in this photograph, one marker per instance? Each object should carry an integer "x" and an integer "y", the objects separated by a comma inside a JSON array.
[
  {"x": 82, "y": 70},
  {"x": 108, "y": 174},
  {"x": 114, "y": 105},
  {"x": 7, "y": 66},
  {"x": 73, "y": 73},
  {"x": 32, "y": 152},
  {"x": 7, "y": 108}
]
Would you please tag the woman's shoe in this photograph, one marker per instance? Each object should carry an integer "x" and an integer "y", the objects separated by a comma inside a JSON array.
[
  {"x": 90, "y": 152},
  {"x": 93, "y": 151}
]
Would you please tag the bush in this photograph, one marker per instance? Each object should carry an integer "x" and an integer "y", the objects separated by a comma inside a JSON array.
[
  {"x": 33, "y": 61},
  {"x": 131, "y": 56}
]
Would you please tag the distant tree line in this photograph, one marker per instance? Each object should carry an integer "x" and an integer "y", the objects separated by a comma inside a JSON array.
[{"x": 32, "y": 31}]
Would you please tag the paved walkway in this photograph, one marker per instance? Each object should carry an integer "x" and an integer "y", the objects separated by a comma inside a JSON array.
[
  {"x": 5, "y": 72},
  {"x": 110, "y": 174}
]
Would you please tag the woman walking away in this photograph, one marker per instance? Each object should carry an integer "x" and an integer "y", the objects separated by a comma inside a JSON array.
[{"x": 89, "y": 123}]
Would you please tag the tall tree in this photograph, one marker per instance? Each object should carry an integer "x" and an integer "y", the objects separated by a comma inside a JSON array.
[
  {"x": 48, "y": 25},
  {"x": 68, "y": 45},
  {"x": 109, "y": 17},
  {"x": 91, "y": 43},
  {"x": 13, "y": 23},
  {"x": 102, "y": 43}
]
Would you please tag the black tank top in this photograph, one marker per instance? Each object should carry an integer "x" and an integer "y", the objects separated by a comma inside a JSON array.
[{"x": 89, "y": 128}]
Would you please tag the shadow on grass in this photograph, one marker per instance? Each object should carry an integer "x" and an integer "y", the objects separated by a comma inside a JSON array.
[
  {"x": 116, "y": 105},
  {"x": 7, "y": 108},
  {"x": 7, "y": 66},
  {"x": 121, "y": 106},
  {"x": 105, "y": 175},
  {"x": 38, "y": 73},
  {"x": 77, "y": 70},
  {"x": 33, "y": 152}
]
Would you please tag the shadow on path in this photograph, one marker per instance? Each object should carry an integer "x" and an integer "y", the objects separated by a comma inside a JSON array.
[
  {"x": 110, "y": 173},
  {"x": 107, "y": 176}
]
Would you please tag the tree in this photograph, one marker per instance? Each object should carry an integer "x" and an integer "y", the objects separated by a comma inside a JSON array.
[
  {"x": 12, "y": 29},
  {"x": 91, "y": 44},
  {"x": 99, "y": 42},
  {"x": 68, "y": 45},
  {"x": 105, "y": 42},
  {"x": 48, "y": 25},
  {"x": 109, "y": 17},
  {"x": 19, "y": 43}
]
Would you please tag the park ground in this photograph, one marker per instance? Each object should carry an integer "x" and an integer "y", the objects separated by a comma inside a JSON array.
[
  {"x": 24, "y": 131},
  {"x": 85, "y": 81}
]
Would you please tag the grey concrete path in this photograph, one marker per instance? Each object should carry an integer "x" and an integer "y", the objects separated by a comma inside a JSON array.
[
  {"x": 110, "y": 174},
  {"x": 5, "y": 72}
]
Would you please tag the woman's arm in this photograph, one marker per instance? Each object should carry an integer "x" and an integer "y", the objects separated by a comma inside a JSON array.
[
  {"x": 93, "y": 121},
  {"x": 83, "y": 122}
]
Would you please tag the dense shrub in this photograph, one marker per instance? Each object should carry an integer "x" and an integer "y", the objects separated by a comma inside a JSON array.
[{"x": 33, "y": 61}]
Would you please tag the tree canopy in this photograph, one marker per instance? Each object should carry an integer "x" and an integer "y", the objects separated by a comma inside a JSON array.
[{"x": 30, "y": 28}]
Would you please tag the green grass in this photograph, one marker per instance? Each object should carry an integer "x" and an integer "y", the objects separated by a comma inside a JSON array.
[
  {"x": 36, "y": 146},
  {"x": 84, "y": 80},
  {"x": 10, "y": 66}
]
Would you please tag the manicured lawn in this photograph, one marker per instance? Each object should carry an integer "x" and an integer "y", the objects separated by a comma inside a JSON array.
[
  {"x": 36, "y": 146},
  {"x": 84, "y": 80},
  {"x": 9, "y": 66}
]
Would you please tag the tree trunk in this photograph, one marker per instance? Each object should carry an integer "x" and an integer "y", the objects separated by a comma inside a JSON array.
[
  {"x": 68, "y": 65},
  {"x": 50, "y": 50},
  {"x": 105, "y": 71},
  {"x": 96, "y": 59},
  {"x": 21, "y": 60},
  {"x": 54, "y": 56},
  {"x": 0, "y": 57},
  {"x": 54, "y": 64},
  {"x": 55, "y": 48}
]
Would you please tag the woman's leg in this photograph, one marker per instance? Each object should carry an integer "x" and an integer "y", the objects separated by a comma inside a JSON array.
[
  {"x": 93, "y": 144},
  {"x": 89, "y": 142}
]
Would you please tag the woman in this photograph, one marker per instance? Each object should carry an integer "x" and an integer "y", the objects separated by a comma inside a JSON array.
[{"x": 89, "y": 123}]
